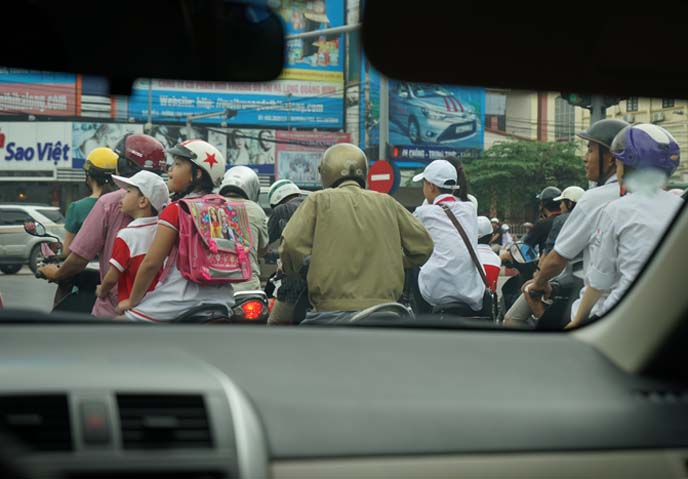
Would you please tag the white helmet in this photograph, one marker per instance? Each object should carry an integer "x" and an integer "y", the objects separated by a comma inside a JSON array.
[
  {"x": 494, "y": 220},
  {"x": 572, "y": 193},
  {"x": 282, "y": 189},
  {"x": 505, "y": 227},
  {"x": 242, "y": 181},
  {"x": 204, "y": 155},
  {"x": 484, "y": 226}
]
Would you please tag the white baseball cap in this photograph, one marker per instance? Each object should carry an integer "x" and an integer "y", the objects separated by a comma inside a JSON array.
[
  {"x": 572, "y": 193},
  {"x": 484, "y": 226},
  {"x": 440, "y": 173},
  {"x": 151, "y": 186}
]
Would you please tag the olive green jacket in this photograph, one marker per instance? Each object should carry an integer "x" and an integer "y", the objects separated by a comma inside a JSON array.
[{"x": 359, "y": 243}]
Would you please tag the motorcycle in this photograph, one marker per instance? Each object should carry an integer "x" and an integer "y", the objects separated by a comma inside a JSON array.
[
  {"x": 524, "y": 260},
  {"x": 250, "y": 307},
  {"x": 76, "y": 294},
  {"x": 565, "y": 289}
]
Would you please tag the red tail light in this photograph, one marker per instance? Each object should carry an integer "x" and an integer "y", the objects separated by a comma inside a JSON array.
[{"x": 252, "y": 309}]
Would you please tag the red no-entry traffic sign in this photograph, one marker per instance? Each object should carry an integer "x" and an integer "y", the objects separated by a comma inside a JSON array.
[{"x": 381, "y": 176}]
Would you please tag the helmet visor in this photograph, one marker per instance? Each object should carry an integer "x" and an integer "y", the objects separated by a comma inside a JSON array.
[{"x": 181, "y": 150}]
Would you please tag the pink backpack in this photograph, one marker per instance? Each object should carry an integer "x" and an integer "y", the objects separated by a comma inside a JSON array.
[{"x": 214, "y": 240}]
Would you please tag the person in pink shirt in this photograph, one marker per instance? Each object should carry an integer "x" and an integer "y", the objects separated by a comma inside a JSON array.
[{"x": 98, "y": 233}]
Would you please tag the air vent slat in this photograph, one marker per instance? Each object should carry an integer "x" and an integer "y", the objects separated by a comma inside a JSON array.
[
  {"x": 164, "y": 422},
  {"x": 41, "y": 423}
]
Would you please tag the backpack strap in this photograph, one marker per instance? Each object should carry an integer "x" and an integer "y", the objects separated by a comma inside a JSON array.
[{"x": 463, "y": 235}]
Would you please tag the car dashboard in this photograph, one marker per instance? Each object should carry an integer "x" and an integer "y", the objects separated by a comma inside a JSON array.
[{"x": 144, "y": 401}]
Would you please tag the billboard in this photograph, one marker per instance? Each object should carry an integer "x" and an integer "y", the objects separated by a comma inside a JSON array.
[
  {"x": 283, "y": 103},
  {"x": 426, "y": 121},
  {"x": 315, "y": 58},
  {"x": 85, "y": 136},
  {"x": 298, "y": 154},
  {"x": 35, "y": 146},
  {"x": 308, "y": 94},
  {"x": 37, "y": 93}
]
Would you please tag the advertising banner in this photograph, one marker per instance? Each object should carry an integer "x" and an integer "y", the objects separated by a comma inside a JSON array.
[
  {"x": 287, "y": 103},
  {"x": 315, "y": 58},
  {"x": 37, "y": 93},
  {"x": 89, "y": 135},
  {"x": 426, "y": 121},
  {"x": 298, "y": 155},
  {"x": 33, "y": 146},
  {"x": 423, "y": 114}
]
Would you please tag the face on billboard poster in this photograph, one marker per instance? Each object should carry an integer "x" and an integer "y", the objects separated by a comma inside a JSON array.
[
  {"x": 88, "y": 136},
  {"x": 251, "y": 147}
]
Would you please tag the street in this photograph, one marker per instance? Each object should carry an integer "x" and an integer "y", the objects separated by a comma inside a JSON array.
[{"x": 23, "y": 290}]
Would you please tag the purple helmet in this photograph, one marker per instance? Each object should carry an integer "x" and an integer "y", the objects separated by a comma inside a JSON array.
[{"x": 645, "y": 146}]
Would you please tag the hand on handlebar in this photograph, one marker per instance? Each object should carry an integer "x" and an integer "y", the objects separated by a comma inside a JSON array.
[
  {"x": 48, "y": 272},
  {"x": 533, "y": 291}
]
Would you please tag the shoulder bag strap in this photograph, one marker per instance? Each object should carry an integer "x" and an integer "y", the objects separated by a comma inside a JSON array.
[{"x": 462, "y": 233}]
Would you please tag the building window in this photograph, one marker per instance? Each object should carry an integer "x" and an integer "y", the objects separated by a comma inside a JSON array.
[
  {"x": 667, "y": 103},
  {"x": 632, "y": 103},
  {"x": 564, "y": 120}
]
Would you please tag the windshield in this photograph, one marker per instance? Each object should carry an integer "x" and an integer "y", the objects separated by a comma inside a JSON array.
[
  {"x": 517, "y": 208},
  {"x": 53, "y": 215},
  {"x": 429, "y": 90}
]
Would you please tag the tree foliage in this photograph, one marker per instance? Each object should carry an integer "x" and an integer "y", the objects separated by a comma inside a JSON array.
[{"x": 509, "y": 175}]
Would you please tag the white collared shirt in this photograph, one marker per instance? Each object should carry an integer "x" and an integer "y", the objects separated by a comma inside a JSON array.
[
  {"x": 450, "y": 275},
  {"x": 628, "y": 231},
  {"x": 577, "y": 235}
]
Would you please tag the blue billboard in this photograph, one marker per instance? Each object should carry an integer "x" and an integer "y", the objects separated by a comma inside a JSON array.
[
  {"x": 308, "y": 94},
  {"x": 426, "y": 121},
  {"x": 283, "y": 103}
]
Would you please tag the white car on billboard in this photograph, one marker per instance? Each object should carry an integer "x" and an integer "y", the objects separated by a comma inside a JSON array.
[{"x": 430, "y": 113}]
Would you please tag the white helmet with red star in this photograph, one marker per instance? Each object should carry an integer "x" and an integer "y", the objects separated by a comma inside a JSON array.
[{"x": 204, "y": 155}]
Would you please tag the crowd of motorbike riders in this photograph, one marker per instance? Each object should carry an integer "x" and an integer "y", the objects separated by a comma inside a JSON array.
[{"x": 345, "y": 249}]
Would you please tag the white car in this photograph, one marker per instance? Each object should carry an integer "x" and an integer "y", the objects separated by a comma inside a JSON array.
[
  {"x": 431, "y": 114},
  {"x": 17, "y": 247}
]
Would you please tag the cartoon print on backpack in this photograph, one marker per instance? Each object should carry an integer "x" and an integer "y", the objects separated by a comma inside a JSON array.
[
  {"x": 227, "y": 232},
  {"x": 215, "y": 226}
]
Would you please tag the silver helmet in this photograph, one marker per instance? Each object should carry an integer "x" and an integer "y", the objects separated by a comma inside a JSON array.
[{"x": 242, "y": 181}]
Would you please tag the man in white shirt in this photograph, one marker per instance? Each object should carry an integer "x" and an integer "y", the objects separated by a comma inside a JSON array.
[
  {"x": 630, "y": 227},
  {"x": 577, "y": 234},
  {"x": 449, "y": 276}
]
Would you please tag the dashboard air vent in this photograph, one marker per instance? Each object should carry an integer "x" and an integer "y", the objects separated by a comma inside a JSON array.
[
  {"x": 40, "y": 422},
  {"x": 163, "y": 421}
]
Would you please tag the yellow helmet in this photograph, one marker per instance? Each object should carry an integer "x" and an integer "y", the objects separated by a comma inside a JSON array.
[
  {"x": 101, "y": 163},
  {"x": 343, "y": 161}
]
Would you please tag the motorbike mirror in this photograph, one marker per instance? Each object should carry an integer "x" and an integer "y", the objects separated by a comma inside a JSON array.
[
  {"x": 35, "y": 228},
  {"x": 522, "y": 253}
]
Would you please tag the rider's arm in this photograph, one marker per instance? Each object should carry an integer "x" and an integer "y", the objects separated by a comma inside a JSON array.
[
  {"x": 66, "y": 243},
  {"x": 590, "y": 297},
  {"x": 263, "y": 240},
  {"x": 297, "y": 237},
  {"x": 550, "y": 266},
  {"x": 416, "y": 241},
  {"x": 109, "y": 282},
  {"x": 73, "y": 265},
  {"x": 155, "y": 258}
]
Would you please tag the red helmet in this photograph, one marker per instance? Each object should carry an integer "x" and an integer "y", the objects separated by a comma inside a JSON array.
[{"x": 143, "y": 150}]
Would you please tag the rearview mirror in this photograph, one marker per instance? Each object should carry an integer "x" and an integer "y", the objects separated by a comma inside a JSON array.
[
  {"x": 35, "y": 228},
  {"x": 209, "y": 40},
  {"x": 522, "y": 253}
]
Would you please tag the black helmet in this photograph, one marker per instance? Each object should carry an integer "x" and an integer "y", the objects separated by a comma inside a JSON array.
[
  {"x": 549, "y": 193},
  {"x": 547, "y": 196},
  {"x": 603, "y": 131}
]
